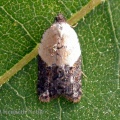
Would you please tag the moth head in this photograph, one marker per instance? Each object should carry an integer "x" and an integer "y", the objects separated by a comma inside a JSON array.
[{"x": 60, "y": 18}]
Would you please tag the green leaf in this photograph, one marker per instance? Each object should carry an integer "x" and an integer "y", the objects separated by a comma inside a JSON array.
[{"x": 22, "y": 23}]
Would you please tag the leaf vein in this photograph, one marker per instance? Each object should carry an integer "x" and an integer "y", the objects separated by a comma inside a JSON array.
[
  {"x": 18, "y": 23},
  {"x": 60, "y": 108},
  {"x": 116, "y": 41},
  {"x": 17, "y": 93},
  {"x": 27, "y": 58},
  {"x": 85, "y": 10}
]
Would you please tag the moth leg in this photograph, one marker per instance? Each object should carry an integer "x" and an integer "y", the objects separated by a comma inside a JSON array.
[{"x": 84, "y": 74}]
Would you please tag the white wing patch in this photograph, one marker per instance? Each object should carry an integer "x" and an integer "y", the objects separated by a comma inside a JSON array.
[{"x": 60, "y": 45}]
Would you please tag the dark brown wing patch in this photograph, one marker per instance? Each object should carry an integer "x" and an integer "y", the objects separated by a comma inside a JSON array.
[{"x": 57, "y": 81}]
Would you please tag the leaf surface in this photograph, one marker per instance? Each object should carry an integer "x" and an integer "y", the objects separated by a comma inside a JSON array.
[{"x": 22, "y": 23}]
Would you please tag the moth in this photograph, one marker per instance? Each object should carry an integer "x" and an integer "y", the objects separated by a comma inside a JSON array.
[{"x": 59, "y": 63}]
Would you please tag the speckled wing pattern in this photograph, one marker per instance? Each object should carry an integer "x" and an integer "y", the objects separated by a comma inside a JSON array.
[
  {"x": 59, "y": 63},
  {"x": 57, "y": 81}
]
